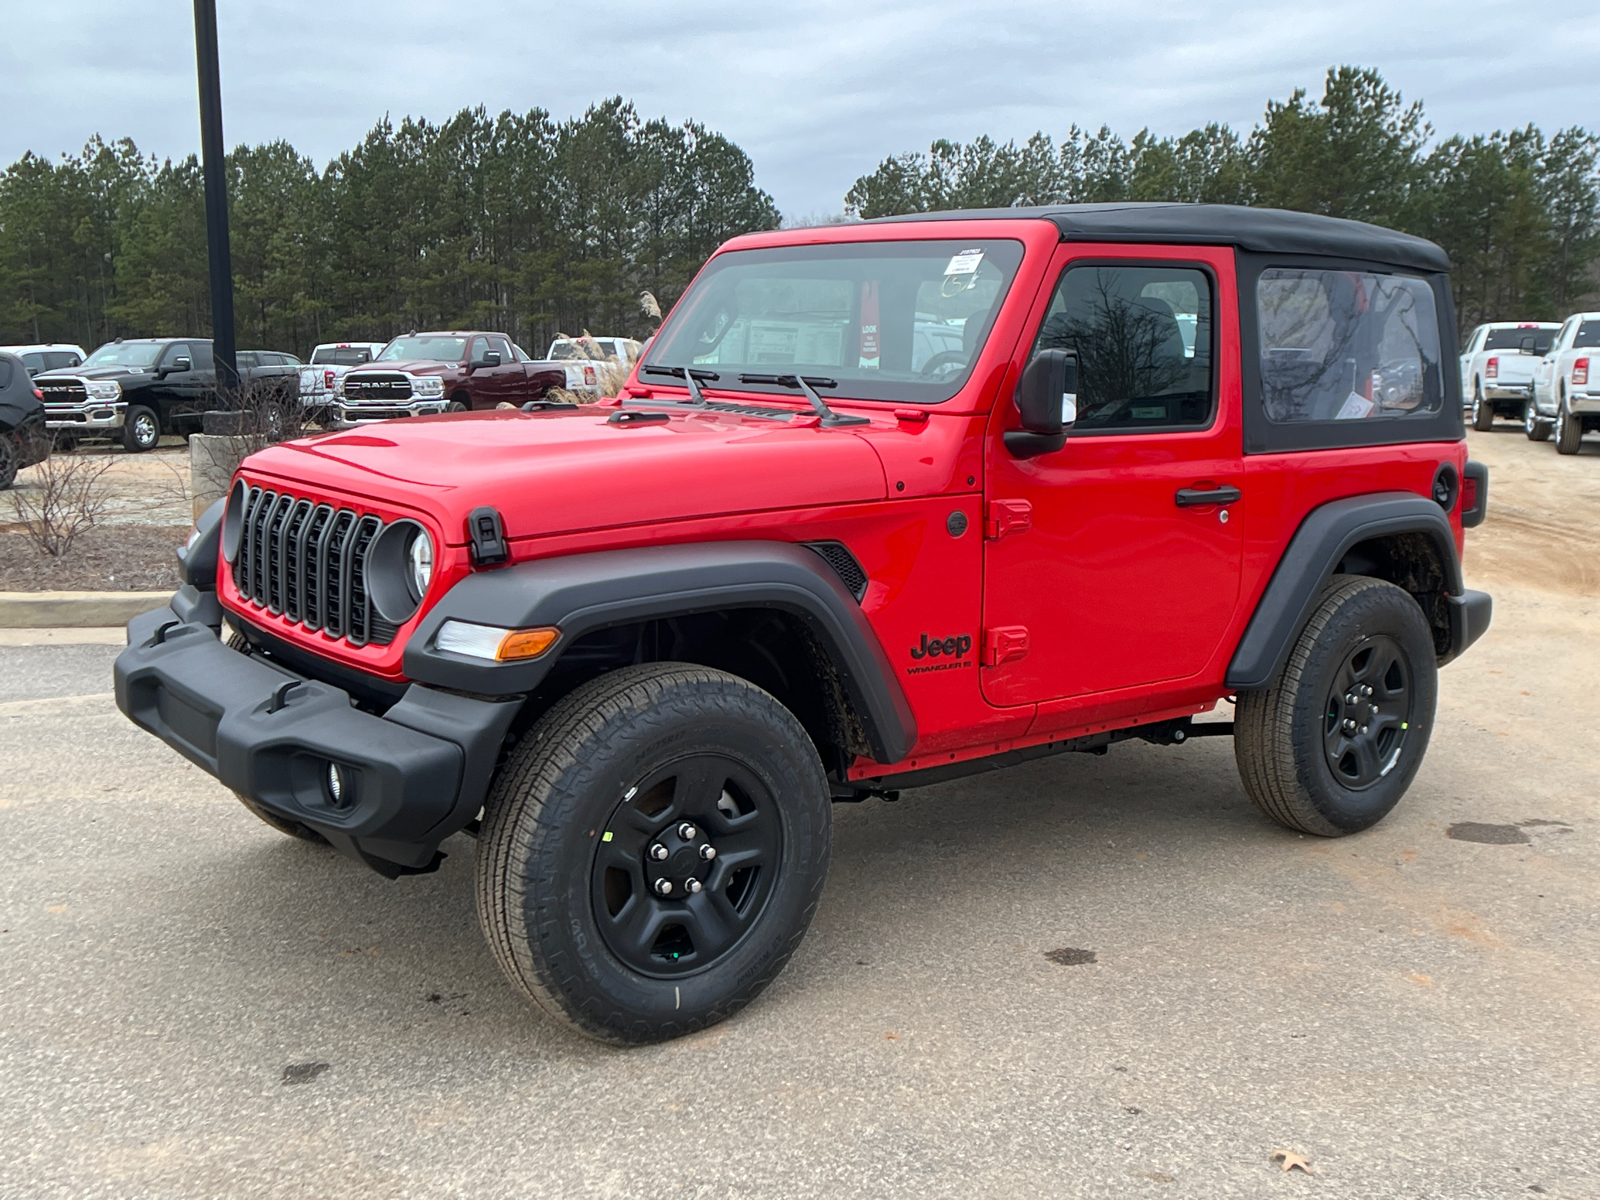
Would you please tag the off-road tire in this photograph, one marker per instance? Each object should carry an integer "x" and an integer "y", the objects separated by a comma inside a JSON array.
[
  {"x": 10, "y": 459},
  {"x": 1280, "y": 732},
  {"x": 141, "y": 429},
  {"x": 1482, "y": 411},
  {"x": 1569, "y": 430},
  {"x": 1534, "y": 424},
  {"x": 567, "y": 784}
]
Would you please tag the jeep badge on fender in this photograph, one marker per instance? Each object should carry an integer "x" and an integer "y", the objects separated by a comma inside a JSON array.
[{"x": 692, "y": 636}]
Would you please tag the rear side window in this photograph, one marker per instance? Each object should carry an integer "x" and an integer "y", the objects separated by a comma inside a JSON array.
[
  {"x": 37, "y": 362},
  {"x": 1347, "y": 346},
  {"x": 1512, "y": 339},
  {"x": 1143, "y": 339},
  {"x": 1588, "y": 335}
]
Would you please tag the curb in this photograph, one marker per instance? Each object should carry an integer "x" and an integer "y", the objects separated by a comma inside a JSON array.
[{"x": 75, "y": 610}]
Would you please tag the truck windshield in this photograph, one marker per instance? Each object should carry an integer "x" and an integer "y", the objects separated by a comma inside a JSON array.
[
  {"x": 125, "y": 354},
  {"x": 340, "y": 356},
  {"x": 424, "y": 349},
  {"x": 895, "y": 321},
  {"x": 587, "y": 351},
  {"x": 1511, "y": 339}
]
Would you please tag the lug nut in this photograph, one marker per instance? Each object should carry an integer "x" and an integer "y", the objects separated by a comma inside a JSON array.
[
  {"x": 1349, "y": 725},
  {"x": 708, "y": 852},
  {"x": 687, "y": 831},
  {"x": 658, "y": 852},
  {"x": 1363, "y": 729},
  {"x": 695, "y": 886},
  {"x": 664, "y": 887}
]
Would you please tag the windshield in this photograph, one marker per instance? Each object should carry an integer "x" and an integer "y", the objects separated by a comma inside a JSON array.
[
  {"x": 426, "y": 348},
  {"x": 897, "y": 321},
  {"x": 125, "y": 354},
  {"x": 1511, "y": 339},
  {"x": 587, "y": 351},
  {"x": 340, "y": 356}
]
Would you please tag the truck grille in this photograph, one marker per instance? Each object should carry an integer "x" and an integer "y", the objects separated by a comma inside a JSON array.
[
  {"x": 307, "y": 562},
  {"x": 62, "y": 391},
  {"x": 377, "y": 386}
]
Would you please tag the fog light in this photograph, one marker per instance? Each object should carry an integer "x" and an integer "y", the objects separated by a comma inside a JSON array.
[{"x": 339, "y": 790}]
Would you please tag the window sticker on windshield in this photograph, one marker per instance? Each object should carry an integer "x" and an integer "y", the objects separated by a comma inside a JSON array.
[
  {"x": 1355, "y": 406},
  {"x": 965, "y": 263}
]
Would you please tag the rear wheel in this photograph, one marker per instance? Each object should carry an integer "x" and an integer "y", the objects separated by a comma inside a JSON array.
[
  {"x": 141, "y": 430},
  {"x": 1482, "y": 411},
  {"x": 653, "y": 851},
  {"x": 1334, "y": 743},
  {"x": 1569, "y": 430},
  {"x": 1537, "y": 427}
]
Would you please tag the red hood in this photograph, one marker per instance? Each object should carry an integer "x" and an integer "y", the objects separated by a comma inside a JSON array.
[{"x": 558, "y": 472}]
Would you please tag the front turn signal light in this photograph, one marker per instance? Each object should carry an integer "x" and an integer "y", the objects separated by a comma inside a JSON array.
[{"x": 494, "y": 644}]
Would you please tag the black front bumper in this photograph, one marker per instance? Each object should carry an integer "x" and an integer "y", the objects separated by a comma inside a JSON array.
[{"x": 413, "y": 776}]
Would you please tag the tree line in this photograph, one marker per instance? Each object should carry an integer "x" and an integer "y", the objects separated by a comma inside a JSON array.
[
  {"x": 517, "y": 223},
  {"x": 533, "y": 226},
  {"x": 1518, "y": 212}
]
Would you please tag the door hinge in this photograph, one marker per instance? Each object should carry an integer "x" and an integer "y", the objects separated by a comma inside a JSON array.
[
  {"x": 1007, "y": 516},
  {"x": 1004, "y": 643}
]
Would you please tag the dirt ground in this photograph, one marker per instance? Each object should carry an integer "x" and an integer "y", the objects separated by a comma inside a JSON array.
[{"x": 147, "y": 514}]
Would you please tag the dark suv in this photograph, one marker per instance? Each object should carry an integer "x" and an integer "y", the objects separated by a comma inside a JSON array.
[{"x": 881, "y": 505}]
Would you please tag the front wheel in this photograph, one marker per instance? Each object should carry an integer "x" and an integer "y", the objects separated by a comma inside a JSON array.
[
  {"x": 456, "y": 406},
  {"x": 141, "y": 429},
  {"x": 653, "y": 851},
  {"x": 1482, "y": 411},
  {"x": 1331, "y": 746},
  {"x": 1537, "y": 427}
]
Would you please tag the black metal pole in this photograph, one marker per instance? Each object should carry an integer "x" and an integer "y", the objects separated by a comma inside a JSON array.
[{"x": 211, "y": 157}]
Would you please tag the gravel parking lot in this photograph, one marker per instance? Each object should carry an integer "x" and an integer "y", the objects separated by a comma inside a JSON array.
[{"x": 196, "y": 1006}]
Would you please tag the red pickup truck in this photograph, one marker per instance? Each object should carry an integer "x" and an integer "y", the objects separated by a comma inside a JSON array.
[
  {"x": 882, "y": 504},
  {"x": 418, "y": 374}
]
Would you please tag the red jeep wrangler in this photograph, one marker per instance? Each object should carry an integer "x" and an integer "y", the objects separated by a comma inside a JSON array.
[{"x": 882, "y": 504}]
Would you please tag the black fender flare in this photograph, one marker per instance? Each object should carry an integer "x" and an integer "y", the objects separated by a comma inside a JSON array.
[
  {"x": 579, "y": 593},
  {"x": 1325, "y": 537}
]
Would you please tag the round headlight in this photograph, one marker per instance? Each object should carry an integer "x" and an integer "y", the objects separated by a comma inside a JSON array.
[
  {"x": 421, "y": 558},
  {"x": 399, "y": 569}
]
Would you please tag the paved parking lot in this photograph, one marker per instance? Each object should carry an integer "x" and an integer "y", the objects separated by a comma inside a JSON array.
[{"x": 195, "y": 1006}]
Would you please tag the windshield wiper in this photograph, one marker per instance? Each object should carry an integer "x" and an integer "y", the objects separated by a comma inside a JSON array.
[
  {"x": 809, "y": 385},
  {"x": 689, "y": 375}
]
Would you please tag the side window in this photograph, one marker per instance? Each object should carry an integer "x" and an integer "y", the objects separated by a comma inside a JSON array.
[
  {"x": 1561, "y": 335},
  {"x": 1347, "y": 345},
  {"x": 176, "y": 351},
  {"x": 1476, "y": 342},
  {"x": 202, "y": 356},
  {"x": 479, "y": 347},
  {"x": 56, "y": 360},
  {"x": 500, "y": 346},
  {"x": 35, "y": 363},
  {"x": 1143, "y": 339},
  {"x": 247, "y": 360},
  {"x": 1588, "y": 336},
  {"x": 6, "y": 372}
]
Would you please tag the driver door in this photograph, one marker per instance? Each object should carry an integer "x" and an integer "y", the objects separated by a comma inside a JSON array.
[{"x": 1115, "y": 562}]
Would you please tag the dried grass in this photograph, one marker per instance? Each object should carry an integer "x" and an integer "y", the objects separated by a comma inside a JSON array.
[{"x": 64, "y": 498}]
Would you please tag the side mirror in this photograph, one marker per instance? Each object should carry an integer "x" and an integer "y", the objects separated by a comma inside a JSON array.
[
  {"x": 179, "y": 364},
  {"x": 1047, "y": 398},
  {"x": 1527, "y": 345},
  {"x": 491, "y": 358}
]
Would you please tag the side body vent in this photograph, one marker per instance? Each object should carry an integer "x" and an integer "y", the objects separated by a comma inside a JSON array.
[{"x": 837, "y": 555}]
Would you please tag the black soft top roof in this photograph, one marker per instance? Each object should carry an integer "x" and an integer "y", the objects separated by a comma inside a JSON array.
[{"x": 1262, "y": 230}]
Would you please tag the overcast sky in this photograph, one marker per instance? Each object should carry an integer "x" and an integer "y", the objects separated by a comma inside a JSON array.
[{"x": 817, "y": 93}]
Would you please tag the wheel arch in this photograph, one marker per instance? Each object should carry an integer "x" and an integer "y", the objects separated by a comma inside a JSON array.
[
  {"x": 772, "y": 612},
  {"x": 1397, "y": 536}
]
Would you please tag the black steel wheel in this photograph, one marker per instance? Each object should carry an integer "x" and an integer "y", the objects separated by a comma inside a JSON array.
[
  {"x": 141, "y": 429},
  {"x": 1535, "y": 425},
  {"x": 1334, "y": 743},
  {"x": 1482, "y": 411},
  {"x": 653, "y": 850}
]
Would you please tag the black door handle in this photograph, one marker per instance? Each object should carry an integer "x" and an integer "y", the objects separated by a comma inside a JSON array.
[{"x": 1194, "y": 497}]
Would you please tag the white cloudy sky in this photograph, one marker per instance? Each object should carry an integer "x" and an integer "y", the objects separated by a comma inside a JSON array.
[{"x": 816, "y": 93}]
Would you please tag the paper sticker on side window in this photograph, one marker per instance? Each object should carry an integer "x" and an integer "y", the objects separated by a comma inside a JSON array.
[{"x": 965, "y": 263}]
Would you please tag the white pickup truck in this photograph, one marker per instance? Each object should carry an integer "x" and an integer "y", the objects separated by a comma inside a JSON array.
[
  {"x": 1566, "y": 384},
  {"x": 592, "y": 363},
  {"x": 329, "y": 362},
  {"x": 1497, "y": 369}
]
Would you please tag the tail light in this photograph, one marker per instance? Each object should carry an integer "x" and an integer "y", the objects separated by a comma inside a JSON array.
[
  {"x": 589, "y": 375},
  {"x": 327, "y": 380},
  {"x": 1580, "y": 371},
  {"x": 37, "y": 394},
  {"x": 1491, "y": 369}
]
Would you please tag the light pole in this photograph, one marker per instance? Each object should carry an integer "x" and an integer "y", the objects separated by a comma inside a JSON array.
[{"x": 212, "y": 159}]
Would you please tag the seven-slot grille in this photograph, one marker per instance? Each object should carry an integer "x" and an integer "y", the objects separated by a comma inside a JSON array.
[
  {"x": 307, "y": 562},
  {"x": 63, "y": 391},
  {"x": 374, "y": 385}
]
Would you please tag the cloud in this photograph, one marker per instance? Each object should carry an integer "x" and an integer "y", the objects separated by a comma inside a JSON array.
[{"x": 817, "y": 94}]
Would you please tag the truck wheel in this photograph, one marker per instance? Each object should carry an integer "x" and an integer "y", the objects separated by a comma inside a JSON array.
[
  {"x": 140, "y": 429},
  {"x": 1333, "y": 744},
  {"x": 1569, "y": 430},
  {"x": 456, "y": 406},
  {"x": 1482, "y": 411},
  {"x": 653, "y": 851},
  {"x": 1537, "y": 427}
]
